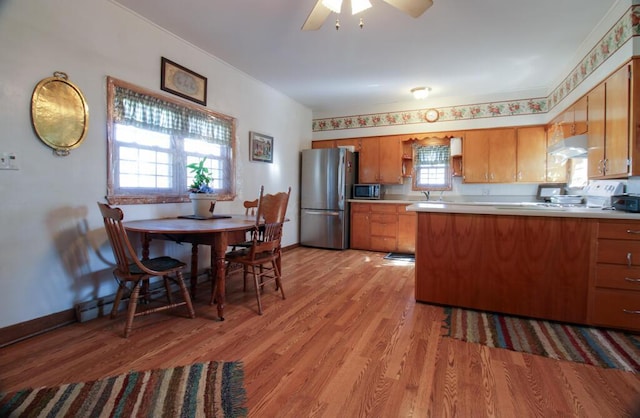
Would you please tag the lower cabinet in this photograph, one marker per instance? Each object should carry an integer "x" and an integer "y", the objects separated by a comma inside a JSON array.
[
  {"x": 615, "y": 294},
  {"x": 385, "y": 227},
  {"x": 520, "y": 265}
]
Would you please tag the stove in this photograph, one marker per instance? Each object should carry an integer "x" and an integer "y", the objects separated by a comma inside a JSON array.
[{"x": 599, "y": 193}]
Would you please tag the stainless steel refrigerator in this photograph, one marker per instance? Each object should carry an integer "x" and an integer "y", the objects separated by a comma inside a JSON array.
[{"x": 327, "y": 177}]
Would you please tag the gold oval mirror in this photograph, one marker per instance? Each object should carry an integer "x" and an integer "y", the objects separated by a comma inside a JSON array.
[{"x": 59, "y": 113}]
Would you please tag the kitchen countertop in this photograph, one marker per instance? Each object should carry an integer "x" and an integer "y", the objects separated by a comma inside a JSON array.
[{"x": 519, "y": 209}]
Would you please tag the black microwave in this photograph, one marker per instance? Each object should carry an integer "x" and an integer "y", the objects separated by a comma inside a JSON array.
[{"x": 366, "y": 191}]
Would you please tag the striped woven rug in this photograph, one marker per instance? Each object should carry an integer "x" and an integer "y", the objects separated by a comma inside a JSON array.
[
  {"x": 213, "y": 389},
  {"x": 595, "y": 346}
]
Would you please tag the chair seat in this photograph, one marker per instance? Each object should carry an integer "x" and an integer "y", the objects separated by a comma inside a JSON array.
[{"x": 163, "y": 263}]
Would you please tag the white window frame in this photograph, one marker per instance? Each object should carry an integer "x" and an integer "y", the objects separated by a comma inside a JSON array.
[
  {"x": 174, "y": 176},
  {"x": 433, "y": 176}
]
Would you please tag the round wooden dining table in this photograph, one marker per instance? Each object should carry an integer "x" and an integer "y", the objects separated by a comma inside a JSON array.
[{"x": 217, "y": 233}]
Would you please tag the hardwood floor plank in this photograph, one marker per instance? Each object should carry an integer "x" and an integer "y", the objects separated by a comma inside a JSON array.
[{"x": 349, "y": 340}]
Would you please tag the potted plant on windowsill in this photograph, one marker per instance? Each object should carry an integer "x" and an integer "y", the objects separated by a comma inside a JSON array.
[{"x": 201, "y": 194}]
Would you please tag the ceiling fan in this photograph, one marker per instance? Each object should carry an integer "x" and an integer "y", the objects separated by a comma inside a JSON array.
[{"x": 323, "y": 9}]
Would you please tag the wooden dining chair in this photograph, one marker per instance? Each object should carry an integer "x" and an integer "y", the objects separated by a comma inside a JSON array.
[
  {"x": 250, "y": 207},
  {"x": 130, "y": 270},
  {"x": 262, "y": 258}
]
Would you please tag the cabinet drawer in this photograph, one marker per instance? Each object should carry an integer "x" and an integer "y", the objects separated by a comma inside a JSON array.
[
  {"x": 382, "y": 218},
  {"x": 387, "y": 244},
  {"x": 388, "y": 229},
  {"x": 383, "y": 208},
  {"x": 618, "y": 277},
  {"x": 614, "y": 251},
  {"x": 360, "y": 207},
  {"x": 622, "y": 230},
  {"x": 616, "y": 308}
]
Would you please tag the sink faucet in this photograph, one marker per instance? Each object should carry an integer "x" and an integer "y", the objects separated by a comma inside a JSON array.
[{"x": 426, "y": 194}]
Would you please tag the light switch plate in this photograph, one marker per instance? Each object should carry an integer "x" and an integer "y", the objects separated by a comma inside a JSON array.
[{"x": 8, "y": 161}]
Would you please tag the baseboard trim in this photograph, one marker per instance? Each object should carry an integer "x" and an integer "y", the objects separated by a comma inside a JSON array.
[
  {"x": 83, "y": 312},
  {"x": 18, "y": 332}
]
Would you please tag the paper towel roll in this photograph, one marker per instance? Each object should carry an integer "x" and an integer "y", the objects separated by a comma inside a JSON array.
[{"x": 456, "y": 147}]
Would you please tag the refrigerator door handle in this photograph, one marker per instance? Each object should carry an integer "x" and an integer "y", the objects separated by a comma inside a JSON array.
[{"x": 321, "y": 212}]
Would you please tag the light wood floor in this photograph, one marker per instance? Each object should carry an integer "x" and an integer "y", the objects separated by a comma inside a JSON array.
[{"x": 349, "y": 341}]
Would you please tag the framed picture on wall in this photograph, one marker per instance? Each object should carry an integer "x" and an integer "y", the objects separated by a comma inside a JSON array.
[
  {"x": 260, "y": 147},
  {"x": 183, "y": 82}
]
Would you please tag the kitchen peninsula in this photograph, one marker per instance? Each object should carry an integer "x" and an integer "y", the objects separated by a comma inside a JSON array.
[{"x": 577, "y": 265}]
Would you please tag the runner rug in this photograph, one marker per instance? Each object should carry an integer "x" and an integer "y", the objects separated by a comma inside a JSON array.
[
  {"x": 595, "y": 346},
  {"x": 213, "y": 389}
]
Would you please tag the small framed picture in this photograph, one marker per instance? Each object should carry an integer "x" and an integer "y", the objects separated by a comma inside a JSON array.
[
  {"x": 260, "y": 147},
  {"x": 183, "y": 82}
]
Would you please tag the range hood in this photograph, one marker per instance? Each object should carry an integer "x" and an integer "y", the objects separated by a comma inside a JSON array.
[{"x": 572, "y": 147}]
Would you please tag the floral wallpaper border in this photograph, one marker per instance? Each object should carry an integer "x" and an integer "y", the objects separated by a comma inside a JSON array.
[{"x": 626, "y": 28}]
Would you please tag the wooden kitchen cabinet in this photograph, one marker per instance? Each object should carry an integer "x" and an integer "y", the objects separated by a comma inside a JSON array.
[
  {"x": 531, "y": 156},
  {"x": 615, "y": 292},
  {"x": 407, "y": 225},
  {"x": 323, "y": 144},
  {"x": 608, "y": 136},
  {"x": 360, "y": 232},
  {"x": 489, "y": 156},
  {"x": 352, "y": 142},
  {"x": 380, "y": 160},
  {"x": 385, "y": 227},
  {"x": 520, "y": 265}
]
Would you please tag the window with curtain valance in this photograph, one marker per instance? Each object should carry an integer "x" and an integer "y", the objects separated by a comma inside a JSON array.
[
  {"x": 151, "y": 140},
  {"x": 432, "y": 164}
]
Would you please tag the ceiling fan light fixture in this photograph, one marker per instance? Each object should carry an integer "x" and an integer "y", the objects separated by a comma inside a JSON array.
[
  {"x": 420, "y": 93},
  {"x": 333, "y": 5},
  {"x": 358, "y": 6}
]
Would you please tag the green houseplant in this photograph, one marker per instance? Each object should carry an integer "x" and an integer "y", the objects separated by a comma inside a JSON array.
[{"x": 201, "y": 194}]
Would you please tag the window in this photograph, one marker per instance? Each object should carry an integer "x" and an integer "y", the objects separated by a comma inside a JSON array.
[
  {"x": 432, "y": 164},
  {"x": 152, "y": 138}
]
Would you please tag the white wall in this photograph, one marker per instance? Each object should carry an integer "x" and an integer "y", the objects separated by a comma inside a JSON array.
[{"x": 52, "y": 252}]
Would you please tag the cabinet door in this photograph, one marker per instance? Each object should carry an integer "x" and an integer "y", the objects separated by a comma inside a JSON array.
[
  {"x": 596, "y": 132},
  {"x": 531, "y": 156},
  {"x": 502, "y": 155},
  {"x": 617, "y": 123},
  {"x": 323, "y": 144},
  {"x": 580, "y": 116},
  {"x": 475, "y": 157},
  {"x": 407, "y": 225},
  {"x": 390, "y": 160},
  {"x": 369, "y": 161},
  {"x": 360, "y": 233},
  {"x": 354, "y": 142}
]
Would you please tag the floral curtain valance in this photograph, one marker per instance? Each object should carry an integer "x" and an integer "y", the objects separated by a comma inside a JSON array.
[
  {"x": 154, "y": 114},
  {"x": 426, "y": 155}
]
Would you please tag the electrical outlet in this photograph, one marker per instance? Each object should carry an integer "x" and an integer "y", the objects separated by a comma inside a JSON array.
[{"x": 8, "y": 161}]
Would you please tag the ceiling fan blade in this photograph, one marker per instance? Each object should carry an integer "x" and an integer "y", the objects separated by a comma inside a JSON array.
[
  {"x": 317, "y": 17},
  {"x": 413, "y": 8}
]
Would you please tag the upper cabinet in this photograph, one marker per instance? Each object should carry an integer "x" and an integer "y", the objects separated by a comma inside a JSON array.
[
  {"x": 380, "y": 160},
  {"x": 323, "y": 144},
  {"x": 489, "y": 156},
  {"x": 609, "y": 124},
  {"x": 531, "y": 156}
]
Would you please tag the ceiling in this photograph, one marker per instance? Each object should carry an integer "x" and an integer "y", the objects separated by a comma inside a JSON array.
[{"x": 462, "y": 49}]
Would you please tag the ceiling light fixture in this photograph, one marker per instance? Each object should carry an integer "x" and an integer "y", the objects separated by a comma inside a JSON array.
[
  {"x": 357, "y": 6},
  {"x": 420, "y": 92}
]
